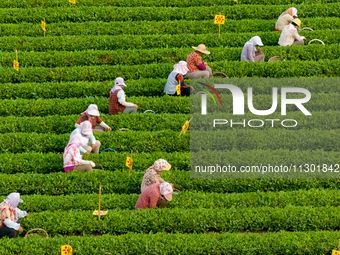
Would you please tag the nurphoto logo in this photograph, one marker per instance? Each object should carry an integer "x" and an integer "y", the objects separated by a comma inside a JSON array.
[{"x": 238, "y": 98}]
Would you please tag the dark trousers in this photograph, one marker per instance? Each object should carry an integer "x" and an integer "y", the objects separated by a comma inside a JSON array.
[
  {"x": 161, "y": 203},
  {"x": 184, "y": 92},
  {"x": 6, "y": 231}
]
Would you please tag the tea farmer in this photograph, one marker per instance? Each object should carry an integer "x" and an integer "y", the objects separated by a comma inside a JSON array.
[
  {"x": 153, "y": 194},
  {"x": 72, "y": 157},
  {"x": 10, "y": 215},
  {"x": 177, "y": 77},
  {"x": 153, "y": 173},
  {"x": 117, "y": 101},
  {"x": 85, "y": 130},
  {"x": 92, "y": 114},
  {"x": 290, "y": 36},
  {"x": 198, "y": 68},
  {"x": 249, "y": 51},
  {"x": 286, "y": 18}
]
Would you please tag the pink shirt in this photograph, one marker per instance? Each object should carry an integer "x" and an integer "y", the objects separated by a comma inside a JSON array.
[
  {"x": 72, "y": 157},
  {"x": 149, "y": 197}
]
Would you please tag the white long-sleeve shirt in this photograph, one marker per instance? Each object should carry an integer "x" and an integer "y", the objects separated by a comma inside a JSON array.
[
  {"x": 91, "y": 138},
  {"x": 121, "y": 99},
  {"x": 11, "y": 224},
  {"x": 288, "y": 35}
]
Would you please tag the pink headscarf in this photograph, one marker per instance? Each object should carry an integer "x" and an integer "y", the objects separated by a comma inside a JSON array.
[
  {"x": 86, "y": 127},
  {"x": 292, "y": 11},
  {"x": 13, "y": 200},
  {"x": 92, "y": 109},
  {"x": 119, "y": 81},
  {"x": 76, "y": 140}
]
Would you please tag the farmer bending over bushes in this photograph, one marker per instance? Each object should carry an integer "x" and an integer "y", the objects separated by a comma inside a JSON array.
[
  {"x": 10, "y": 214},
  {"x": 85, "y": 130},
  {"x": 290, "y": 36},
  {"x": 198, "y": 68},
  {"x": 153, "y": 175},
  {"x": 250, "y": 53},
  {"x": 117, "y": 101},
  {"x": 286, "y": 18},
  {"x": 92, "y": 114},
  {"x": 154, "y": 193},
  {"x": 72, "y": 157},
  {"x": 177, "y": 77}
]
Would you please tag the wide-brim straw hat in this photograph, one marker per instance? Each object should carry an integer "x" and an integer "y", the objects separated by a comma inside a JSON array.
[
  {"x": 297, "y": 22},
  {"x": 201, "y": 48}
]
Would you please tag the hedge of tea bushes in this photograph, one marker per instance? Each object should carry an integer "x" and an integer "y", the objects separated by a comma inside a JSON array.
[
  {"x": 71, "y": 106},
  {"x": 32, "y": 90},
  {"x": 163, "y": 105},
  {"x": 160, "y": 55},
  {"x": 289, "y": 243},
  {"x": 119, "y": 182},
  {"x": 157, "y": 141},
  {"x": 321, "y": 68},
  {"x": 66, "y": 124},
  {"x": 185, "y": 200},
  {"x": 137, "y": 141},
  {"x": 250, "y": 139},
  {"x": 156, "y": 27},
  {"x": 129, "y": 42},
  {"x": 130, "y": 3},
  {"x": 112, "y": 13},
  {"x": 38, "y": 162},
  {"x": 156, "y": 122},
  {"x": 45, "y": 163},
  {"x": 154, "y": 87},
  {"x": 152, "y": 141},
  {"x": 177, "y": 220}
]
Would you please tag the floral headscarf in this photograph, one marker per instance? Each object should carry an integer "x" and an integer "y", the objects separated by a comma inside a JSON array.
[{"x": 292, "y": 11}]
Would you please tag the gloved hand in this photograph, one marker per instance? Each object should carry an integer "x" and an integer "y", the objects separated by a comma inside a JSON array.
[{"x": 93, "y": 164}]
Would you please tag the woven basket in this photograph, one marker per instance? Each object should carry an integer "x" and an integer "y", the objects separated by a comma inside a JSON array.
[
  {"x": 37, "y": 232},
  {"x": 276, "y": 58},
  {"x": 220, "y": 74},
  {"x": 316, "y": 40},
  {"x": 146, "y": 111},
  {"x": 307, "y": 28},
  {"x": 176, "y": 191}
]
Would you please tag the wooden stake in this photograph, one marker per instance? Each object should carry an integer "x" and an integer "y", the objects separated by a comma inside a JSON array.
[
  {"x": 16, "y": 55},
  {"x": 100, "y": 193},
  {"x": 219, "y": 30},
  {"x": 131, "y": 163}
]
